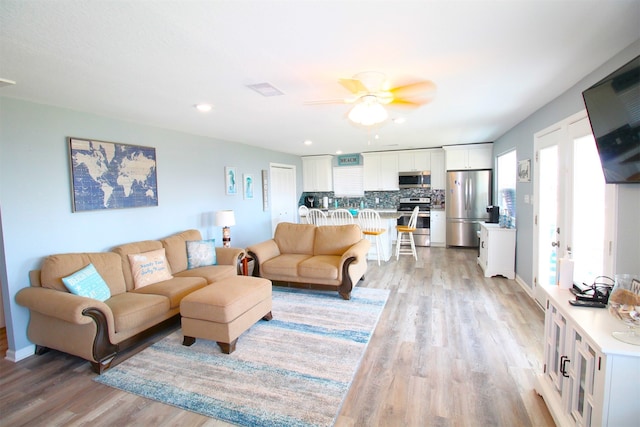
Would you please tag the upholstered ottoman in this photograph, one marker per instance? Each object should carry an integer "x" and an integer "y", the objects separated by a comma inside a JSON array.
[{"x": 225, "y": 309}]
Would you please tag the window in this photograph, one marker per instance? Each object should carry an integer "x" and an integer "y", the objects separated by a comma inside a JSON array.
[{"x": 507, "y": 168}]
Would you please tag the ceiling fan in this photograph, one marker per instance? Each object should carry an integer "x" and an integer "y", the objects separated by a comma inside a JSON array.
[{"x": 371, "y": 92}]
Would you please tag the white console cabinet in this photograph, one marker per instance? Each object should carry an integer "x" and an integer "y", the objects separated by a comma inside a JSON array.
[
  {"x": 497, "y": 250},
  {"x": 589, "y": 378}
]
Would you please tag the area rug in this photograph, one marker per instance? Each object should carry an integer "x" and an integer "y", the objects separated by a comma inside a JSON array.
[{"x": 294, "y": 370}]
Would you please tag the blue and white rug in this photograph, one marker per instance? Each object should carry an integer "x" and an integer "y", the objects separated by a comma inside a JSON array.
[{"x": 294, "y": 370}]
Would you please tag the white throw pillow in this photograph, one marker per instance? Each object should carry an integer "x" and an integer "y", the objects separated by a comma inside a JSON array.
[{"x": 150, "y": 267}]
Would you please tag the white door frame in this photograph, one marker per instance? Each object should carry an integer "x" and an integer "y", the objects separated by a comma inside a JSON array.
[
  {"x": 288, "y": 210},
  {"x": 566, "y": 131}
]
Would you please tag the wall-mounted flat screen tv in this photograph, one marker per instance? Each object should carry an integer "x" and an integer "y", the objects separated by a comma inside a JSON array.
[{"x": 613, "y": 106}]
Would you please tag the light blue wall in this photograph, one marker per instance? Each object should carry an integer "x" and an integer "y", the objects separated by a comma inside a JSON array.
[
  {"x": 521, "y": 138},
  {"x": 35, "y": 195}
]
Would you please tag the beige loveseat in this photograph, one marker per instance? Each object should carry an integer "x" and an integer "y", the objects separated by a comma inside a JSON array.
[
  {"x": 97, "y": 331},
  {"x": 329, "y": 255}
]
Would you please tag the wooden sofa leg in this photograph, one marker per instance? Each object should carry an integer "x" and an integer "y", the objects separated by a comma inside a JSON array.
[
  {"x": 100, "y": 367},
  {"x": 188, "y": 341},
  {"x": 228, "y": 348},
  {"x": 268, "y": 316},
  {"x": 345, "y": 295}
]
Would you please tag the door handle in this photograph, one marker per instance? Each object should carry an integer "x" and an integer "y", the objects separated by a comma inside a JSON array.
[
  {"x": 563, "y": 366},
  {"x": 555, "y": 244}
]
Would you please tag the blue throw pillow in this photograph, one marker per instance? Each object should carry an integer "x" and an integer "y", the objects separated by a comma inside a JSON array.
[
  {"x": 201, "y": 253},
  {"x": 87, "y": 282}
]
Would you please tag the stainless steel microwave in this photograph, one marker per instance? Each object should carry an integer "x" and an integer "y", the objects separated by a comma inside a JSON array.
[{"x": 416, "y": 179}]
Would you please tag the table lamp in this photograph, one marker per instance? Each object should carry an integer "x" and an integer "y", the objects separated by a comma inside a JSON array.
[{"x": 225, "y": 219}]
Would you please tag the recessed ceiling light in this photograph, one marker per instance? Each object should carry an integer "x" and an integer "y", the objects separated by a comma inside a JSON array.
[
  {"x": 204, "y": 107},
  {"x": 308, "y": 142},
  {"x": 339, "y": 152},
  {"x": 399, "y": 120}
]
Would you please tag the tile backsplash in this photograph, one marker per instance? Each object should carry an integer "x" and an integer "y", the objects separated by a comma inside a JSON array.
[{"x": 376, "y": 199}]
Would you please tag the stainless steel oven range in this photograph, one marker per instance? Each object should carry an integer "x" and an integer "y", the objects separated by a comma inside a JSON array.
[{"x": 422, "y": 235}]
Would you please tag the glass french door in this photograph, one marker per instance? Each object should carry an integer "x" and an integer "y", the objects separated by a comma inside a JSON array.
[
  {"x": 575, "y": 208},
  {"x": 547, "y": 195}
]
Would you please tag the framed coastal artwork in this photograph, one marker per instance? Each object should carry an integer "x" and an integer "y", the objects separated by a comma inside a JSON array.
[
  {"x": 524, "y": 170},
  {"x": 230, "y": 181},
  {"x": 111, "y": 175},
  {"x": 247, "y": 186}
]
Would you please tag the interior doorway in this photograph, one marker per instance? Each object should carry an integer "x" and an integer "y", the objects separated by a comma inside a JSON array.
[{"x": 283, "y": 194}]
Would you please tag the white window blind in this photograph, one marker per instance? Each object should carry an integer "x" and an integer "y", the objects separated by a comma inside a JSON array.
[{"x": 348, "y": 181}]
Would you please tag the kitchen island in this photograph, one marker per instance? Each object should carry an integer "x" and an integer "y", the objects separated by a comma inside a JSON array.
[{"x": 389, "y": 219}]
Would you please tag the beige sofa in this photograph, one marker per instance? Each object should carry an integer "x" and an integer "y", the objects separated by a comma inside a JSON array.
[
  {"x": 97, "y": 331},
  {"x": 332, "y": 256}
]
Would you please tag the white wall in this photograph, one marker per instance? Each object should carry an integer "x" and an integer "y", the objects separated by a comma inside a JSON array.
[
  {"x": 521, "y": 138},
  {"x": 35, "y": 193}
]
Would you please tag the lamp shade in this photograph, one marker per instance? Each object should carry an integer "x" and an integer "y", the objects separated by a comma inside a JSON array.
[{"x": 225, "y": 218}]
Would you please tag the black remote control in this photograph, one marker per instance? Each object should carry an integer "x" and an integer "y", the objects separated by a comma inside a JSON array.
[{"x": 580, "y": 303}]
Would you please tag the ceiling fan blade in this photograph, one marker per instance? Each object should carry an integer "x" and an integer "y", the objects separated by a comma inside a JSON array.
[
  {"x": 413, "y": 89},
  {"x": 353, "y": 85},
  {"x": 408, "y": 104}
]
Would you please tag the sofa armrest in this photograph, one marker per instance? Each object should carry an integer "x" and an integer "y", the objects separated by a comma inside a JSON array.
[
  {"x": 229, "y": 256},
  {"x": 358, "y": 251},
  {"x": 62, "y": 305},
  {"x": 262, "y": 252}
]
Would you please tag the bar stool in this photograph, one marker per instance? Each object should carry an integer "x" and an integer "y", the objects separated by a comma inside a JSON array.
[
  {"x": 405, "y": 235},
  {"x": 317, "y": 217},
  {"x": 371, "y": 225},
  {"x": 341, "y": 217}
]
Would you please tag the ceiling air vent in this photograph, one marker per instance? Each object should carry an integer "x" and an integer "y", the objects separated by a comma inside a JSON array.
[{"x": 266, "y": 89}]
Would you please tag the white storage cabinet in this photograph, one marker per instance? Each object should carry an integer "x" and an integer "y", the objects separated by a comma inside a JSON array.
[
  {"x": 589, "y": 378},
  {"x": 475, "y": 156},
  {"x": 380, "y": 171},
  {"x": 438, "y": 174},
  {"x": 317, "y": 173},
  {"x": 497, "y": 250},
  {"x": 438, "y": 228},
  {"x": 414, "y": 160}
]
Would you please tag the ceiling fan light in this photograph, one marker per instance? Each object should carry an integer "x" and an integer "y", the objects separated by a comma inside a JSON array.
[{"x": 368, "y": 113}]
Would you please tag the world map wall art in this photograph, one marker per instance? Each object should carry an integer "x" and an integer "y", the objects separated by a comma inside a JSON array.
[{"x": 109, "y": 175}]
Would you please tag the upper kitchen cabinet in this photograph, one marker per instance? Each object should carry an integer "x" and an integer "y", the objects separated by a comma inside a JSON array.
[
  {"x": 476, "y": 156},
  {"x": 317, "y": 173},
  {"x": 414, "y": 160},
  {"x": 438, "y": 173},
  {"x": 380, "y": 171}
]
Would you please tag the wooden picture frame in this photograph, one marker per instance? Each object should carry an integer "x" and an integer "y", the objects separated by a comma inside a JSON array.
[{"x": 111, "y": 175}]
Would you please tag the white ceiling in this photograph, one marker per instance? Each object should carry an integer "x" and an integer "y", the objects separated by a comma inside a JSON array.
[{"x": 494, "y": 63}]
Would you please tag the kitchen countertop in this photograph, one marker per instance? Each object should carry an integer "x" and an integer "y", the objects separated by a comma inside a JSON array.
[{"x": 384, "y": 213}]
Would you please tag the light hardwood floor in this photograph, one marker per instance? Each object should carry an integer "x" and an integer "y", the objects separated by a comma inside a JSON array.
[{"x": 452, "y": 348}]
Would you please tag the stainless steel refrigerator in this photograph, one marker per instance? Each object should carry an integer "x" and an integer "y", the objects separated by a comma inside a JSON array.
[{"x": 468, "y": 195}]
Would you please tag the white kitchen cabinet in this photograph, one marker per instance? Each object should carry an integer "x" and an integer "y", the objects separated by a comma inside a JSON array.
[
  {"x": 380, "y": 171},
  {"x": 438, "y": 171},
  {"x": 317, "y": 173},
  {"x": 414, "y": 160},
  {"x": 438, "y": 228},
  {"x": 589, "y": 378},
  {"x": 475, "y": 156},
  {"x": 497, "y": 250}
]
